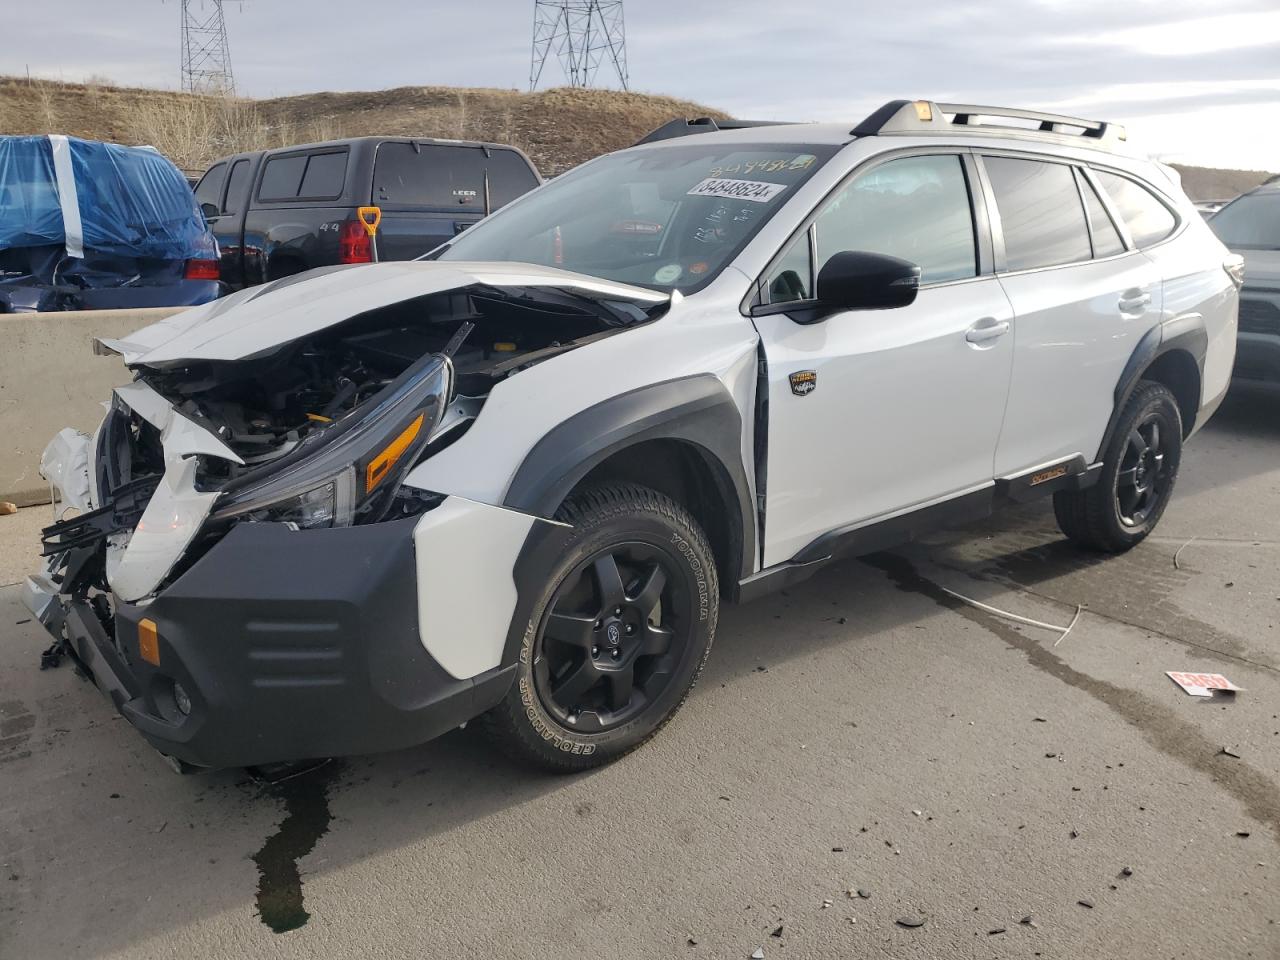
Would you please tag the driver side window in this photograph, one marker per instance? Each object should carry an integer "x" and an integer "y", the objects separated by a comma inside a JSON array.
[{"x": 916, "y": 208}]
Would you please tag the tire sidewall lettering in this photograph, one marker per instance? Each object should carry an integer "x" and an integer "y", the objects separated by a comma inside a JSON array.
[
  {"x": 685, "y": 549},
  {"x": 533, "y": 710}
]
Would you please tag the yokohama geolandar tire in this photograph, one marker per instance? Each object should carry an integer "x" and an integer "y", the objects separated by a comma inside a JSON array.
[
  {"x": 618, "y": 636},
  {"x": 1139, "y": 469}
]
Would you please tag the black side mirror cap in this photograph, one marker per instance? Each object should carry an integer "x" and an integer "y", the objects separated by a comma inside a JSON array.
[
  {"x": 210, "y": 210},
  {"x": 853, "y": 280},
  {"x": 856, "y": 280}
]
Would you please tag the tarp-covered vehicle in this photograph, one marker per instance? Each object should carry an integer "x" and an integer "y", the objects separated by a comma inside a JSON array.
[{"x": 92, "y": 226}]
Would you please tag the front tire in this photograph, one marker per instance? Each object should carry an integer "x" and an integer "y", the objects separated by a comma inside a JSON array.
[
  {"x": 1140, "y": 468},
  {"x": 618, "y": 636}
]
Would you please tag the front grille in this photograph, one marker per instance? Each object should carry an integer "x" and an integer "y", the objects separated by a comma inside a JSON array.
[
  {"x": 1259, "y": 316},
  {"x": 121, "y": 513}
]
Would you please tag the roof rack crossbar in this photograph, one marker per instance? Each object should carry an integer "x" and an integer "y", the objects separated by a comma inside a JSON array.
[
  {"x": 683, "y": 127},
  {"x": 965, "y": 114},
  {"x": 924, "y": 116}
]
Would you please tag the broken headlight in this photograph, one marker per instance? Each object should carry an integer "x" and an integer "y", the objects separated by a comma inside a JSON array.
[
  {"x": 347, "y": 472},
  {"x": 328, "y": 505}
]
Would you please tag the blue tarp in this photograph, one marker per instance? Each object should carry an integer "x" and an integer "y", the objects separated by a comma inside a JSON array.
[
  {"x": 133, "y": 202},
  {"x": 30, "y": 215}
]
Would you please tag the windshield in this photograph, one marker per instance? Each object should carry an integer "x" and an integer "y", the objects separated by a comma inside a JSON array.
[
  {"x": 668, "y": 218},
  {"x": 1251, "y": 222}
]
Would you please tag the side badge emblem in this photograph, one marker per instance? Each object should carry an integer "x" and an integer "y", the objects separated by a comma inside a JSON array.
[{"x": 804, "y": 382}]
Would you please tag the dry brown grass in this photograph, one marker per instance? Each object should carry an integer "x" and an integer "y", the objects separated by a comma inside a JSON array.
[
  {"x": 1212, "y": 183},
  {"x": 557, "y": 128}
]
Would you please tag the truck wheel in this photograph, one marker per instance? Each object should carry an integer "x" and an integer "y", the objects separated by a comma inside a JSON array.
[
  {"x": 618, "y": 636},
  {"x": 1140, "y": 467}
]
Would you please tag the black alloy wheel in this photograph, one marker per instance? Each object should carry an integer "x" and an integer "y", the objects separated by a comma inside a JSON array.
[
  {"x": 1139, "y": 469},
  {"x": 617, "y": 633},
  {"x": 1142, "y": 478},
  {"x": 613, "y": 633}
]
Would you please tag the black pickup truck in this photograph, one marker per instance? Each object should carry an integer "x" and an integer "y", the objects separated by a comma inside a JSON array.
[{"x": 280, "y": 212}]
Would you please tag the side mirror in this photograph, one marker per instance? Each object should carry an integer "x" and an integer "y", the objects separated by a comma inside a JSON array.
[
  {"x": 210, "y": 211},
  {"x": 854, "y": 280}
]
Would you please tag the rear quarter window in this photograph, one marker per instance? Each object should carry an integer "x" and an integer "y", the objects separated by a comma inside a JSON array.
[
  {"x": 1148, "y": 219},
  {"x": 307, "y": 176},
  {"x": 1106, "y": 239},
  {"x": 509, "y": 177},
  {"x": 324, "y": 177}
]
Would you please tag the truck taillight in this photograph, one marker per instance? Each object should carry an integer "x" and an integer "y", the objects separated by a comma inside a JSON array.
[
  {"x": 354, "y": 243},
  {"x": 202, "y": 270}
]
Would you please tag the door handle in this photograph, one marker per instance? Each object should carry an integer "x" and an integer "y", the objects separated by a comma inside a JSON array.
[
  {"x": 986, "y": 330},
  {"x": 1134, "y": 301}
]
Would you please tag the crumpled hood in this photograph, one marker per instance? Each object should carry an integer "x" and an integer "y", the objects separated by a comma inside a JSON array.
[{"x": 259, "y": 319}]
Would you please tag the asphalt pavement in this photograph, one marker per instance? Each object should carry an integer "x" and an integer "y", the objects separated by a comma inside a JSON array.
[{"x": 863, "y": 749}]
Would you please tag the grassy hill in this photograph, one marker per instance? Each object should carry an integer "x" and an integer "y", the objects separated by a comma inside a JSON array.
[
  {"x": 1213, "y": 183},
  {"x": 557, "y": 128}
]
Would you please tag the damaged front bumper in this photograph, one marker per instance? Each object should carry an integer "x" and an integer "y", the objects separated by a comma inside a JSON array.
[
  {"x": 276, "y": 645},
  {"x": 252, "y": 578}
]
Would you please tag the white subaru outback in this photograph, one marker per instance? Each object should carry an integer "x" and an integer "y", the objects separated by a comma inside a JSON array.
[{"x": 353, "y": 509}]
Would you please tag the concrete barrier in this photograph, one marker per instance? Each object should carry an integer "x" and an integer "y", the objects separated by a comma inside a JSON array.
[{"x": 50, "y": 378}]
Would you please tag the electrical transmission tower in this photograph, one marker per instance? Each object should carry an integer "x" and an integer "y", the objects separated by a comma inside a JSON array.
[
  {"x": 206, "y": 57},
  {"x": 582, "y": 35}
]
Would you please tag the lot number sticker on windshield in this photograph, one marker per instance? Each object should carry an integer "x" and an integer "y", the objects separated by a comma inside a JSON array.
[{"x": 757, "y": 191}]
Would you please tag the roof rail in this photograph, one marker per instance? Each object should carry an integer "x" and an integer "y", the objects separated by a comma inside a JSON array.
[
  {"x": 925, "y": 116},
  {"x": 681, "y": 127}
]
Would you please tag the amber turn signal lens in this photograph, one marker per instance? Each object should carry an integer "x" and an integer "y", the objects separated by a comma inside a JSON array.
[
  {"x": 381, "y": 465},
  {"x": 149, "y": 642}
]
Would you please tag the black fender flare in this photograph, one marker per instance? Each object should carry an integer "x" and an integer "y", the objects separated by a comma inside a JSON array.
[
  {"x": 697, "y": 410},
  {"x": 1186, "y": 333}
]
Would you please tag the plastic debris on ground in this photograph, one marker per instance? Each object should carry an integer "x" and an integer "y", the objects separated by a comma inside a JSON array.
[
  {"x": 1018, "y": 618},
  {"x": 1203, "y": 684}
]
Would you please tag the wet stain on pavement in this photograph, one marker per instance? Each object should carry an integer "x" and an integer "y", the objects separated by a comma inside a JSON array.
[
  {"x": 1133, "y": 588},
  {"x": 1159, "y": 726},
  {"x": 1115, "y": 586},
  {"x": 306, "y": 804}
]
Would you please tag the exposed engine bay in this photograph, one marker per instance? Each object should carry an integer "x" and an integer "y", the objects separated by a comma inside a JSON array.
[
  {"x": 312, "y": 430},
  {"x": 264, "y": 407}
]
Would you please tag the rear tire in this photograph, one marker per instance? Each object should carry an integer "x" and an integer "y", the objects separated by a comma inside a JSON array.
[
  {"x": 1140, "y": 468},
  {"x": 618, "y": 636}
]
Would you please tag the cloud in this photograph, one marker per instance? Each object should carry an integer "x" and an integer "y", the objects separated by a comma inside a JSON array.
[{"x": 1132, "y": 61}]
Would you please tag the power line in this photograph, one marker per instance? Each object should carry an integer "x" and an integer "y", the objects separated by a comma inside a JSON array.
[
  {"x": 206, "y": 55},
  {"x": 583, "y": 35}
]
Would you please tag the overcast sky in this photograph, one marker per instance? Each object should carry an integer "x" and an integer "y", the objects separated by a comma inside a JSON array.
[{"x": 1192, "y": 85}]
